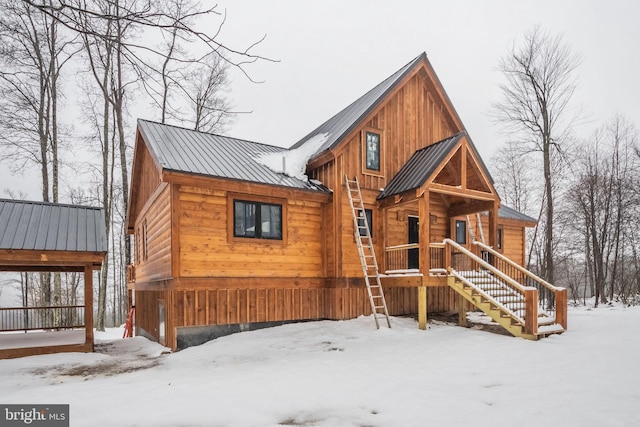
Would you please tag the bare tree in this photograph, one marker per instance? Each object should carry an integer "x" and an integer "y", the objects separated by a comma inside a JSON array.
[
  {"x": 211, "y": 109},
  {"x": 538, "y": 88},
  {"x": 604, "y": 200}
]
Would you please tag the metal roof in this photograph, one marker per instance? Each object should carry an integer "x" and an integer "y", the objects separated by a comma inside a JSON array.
[
  {"x": 44, "y": 226},
  {"x": 420, "y": 166},
  {"x": 190, "y": 151},
  {"x": 509, "y": 213},
  {"x": 346, "y": 120}
]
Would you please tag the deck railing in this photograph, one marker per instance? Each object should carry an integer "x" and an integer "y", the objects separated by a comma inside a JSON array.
[
  {"x": 467, "y": 266},
  {"x": 397, "y": 258},
  {"x": 552, "y": 300},
  {"x": 436, "y": 251},
  {"x": 31, "y": 318}
]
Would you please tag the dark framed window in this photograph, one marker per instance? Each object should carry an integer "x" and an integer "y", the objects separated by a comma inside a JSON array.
[
  {"x": 144, "y": 240},
  {"x": 500, "y": 237},
  {"x": 369, "y": 215},
  {"x": 372, "y": 141},
  {"x": 461, "y": 232},
  {"x": 257, "y": 220}
]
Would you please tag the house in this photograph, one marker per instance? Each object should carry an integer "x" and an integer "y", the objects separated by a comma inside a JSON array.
[
  {"x": 57, "y": 238},
  {"x": 225, "y": 243}
]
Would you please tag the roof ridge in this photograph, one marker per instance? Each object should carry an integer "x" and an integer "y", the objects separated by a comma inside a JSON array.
[
  {"x": 37, "y": 202},
  {"x": 211, "y": 134},
  {"x": 396, "y": 76},
  {"x": 442, "y": 141}
]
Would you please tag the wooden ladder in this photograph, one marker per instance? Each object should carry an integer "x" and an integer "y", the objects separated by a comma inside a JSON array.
[{"x": 362, "y": 234}]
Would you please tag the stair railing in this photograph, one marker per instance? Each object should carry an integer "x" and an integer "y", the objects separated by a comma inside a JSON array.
[
  {"x": 465, "y": 265},
  {"x": 552, "y": 300}
]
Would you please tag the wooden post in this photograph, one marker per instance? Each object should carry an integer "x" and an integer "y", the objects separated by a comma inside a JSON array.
[
  {"x": 561, "y": 307},
  {"x": 531, "y": 311},
  {"x": 422, "y": 307},
  {"x": 424, "y": 237},
  {"x": 88, "y": 306},
  {"x": 493, "y": 226},
  {"x": 462, "y": 311}
]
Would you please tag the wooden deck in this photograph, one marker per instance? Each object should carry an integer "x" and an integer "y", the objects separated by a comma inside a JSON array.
[{"x": 20, "y": 344}]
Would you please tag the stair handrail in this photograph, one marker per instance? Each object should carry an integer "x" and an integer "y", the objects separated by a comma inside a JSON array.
[
  {"x": 489, "y": 297},
  {"x": 518, "y": 267},
  {"x": 488, "y": 266},
  {"x": 560, "y": 293}
]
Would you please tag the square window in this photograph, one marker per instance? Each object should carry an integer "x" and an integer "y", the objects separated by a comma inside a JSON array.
[{"x": 373, "y": 151}]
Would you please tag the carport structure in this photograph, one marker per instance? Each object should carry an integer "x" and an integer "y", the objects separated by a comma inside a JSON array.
[{"x": 49, "y": 238}]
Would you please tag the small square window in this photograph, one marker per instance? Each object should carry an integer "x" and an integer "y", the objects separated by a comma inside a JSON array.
[{"x": 373, "y": 151}]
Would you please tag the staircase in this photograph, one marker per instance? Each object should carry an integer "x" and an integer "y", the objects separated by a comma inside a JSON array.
[
  {"x": 367, "y": 255},
  {"x": 523, "y": 304}
]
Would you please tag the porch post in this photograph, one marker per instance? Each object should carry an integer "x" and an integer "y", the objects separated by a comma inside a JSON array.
[
  {"x": 425, "y": 257},
  {"x": 493, "y": 225},
  {"x": 88, "y": 306}
]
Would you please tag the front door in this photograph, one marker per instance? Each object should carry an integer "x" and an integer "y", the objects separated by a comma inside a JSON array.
[{"x": 413, "y": 257}]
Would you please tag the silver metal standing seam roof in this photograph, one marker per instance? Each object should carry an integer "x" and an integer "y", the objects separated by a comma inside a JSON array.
[
  {"x": 509, "y": 213},
  {"x": 26, "y": 225},
  {"x": 338, "y": 126},
  {"x": 420, "y": 166},
  {"x": 190, "y": 151}
]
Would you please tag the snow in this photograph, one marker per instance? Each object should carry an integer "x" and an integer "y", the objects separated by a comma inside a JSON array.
[
  {"x": 39, "y": 338},
  {"x": 347, "y": 373},
  {"x": 294, "y": 162}
]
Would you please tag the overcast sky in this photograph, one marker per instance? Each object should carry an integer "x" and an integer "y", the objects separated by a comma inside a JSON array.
[{"x": 332, "y": 52}]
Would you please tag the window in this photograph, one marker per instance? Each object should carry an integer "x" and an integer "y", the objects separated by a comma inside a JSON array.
[
  {"x": 461, "y": 232},
  {"x": 372, "y": 151},
  {"x": 499, "y": 242},
  {"x": 137, "y": 245},
  {"x": 144, "y": 240},
  {"x": 257, "y": 220},
  {"x": 369, "y": 216}
]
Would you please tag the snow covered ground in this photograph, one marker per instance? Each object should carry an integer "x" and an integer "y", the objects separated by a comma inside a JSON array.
[{"x": 349, "y": 374}]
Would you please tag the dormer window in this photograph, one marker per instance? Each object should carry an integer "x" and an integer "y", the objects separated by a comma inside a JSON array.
[{"x": 372, "y": 154}]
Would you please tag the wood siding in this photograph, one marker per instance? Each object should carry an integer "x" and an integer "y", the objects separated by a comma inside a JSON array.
[
  {"x": 412, "y": 118},
  {"x": 147, "y": 315},
  {"x": 158, "y": 234},
  {"x": 147, "y": 179},
  {"x": 514, "y": 239},
  {"x": 208, "y": 248}
]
